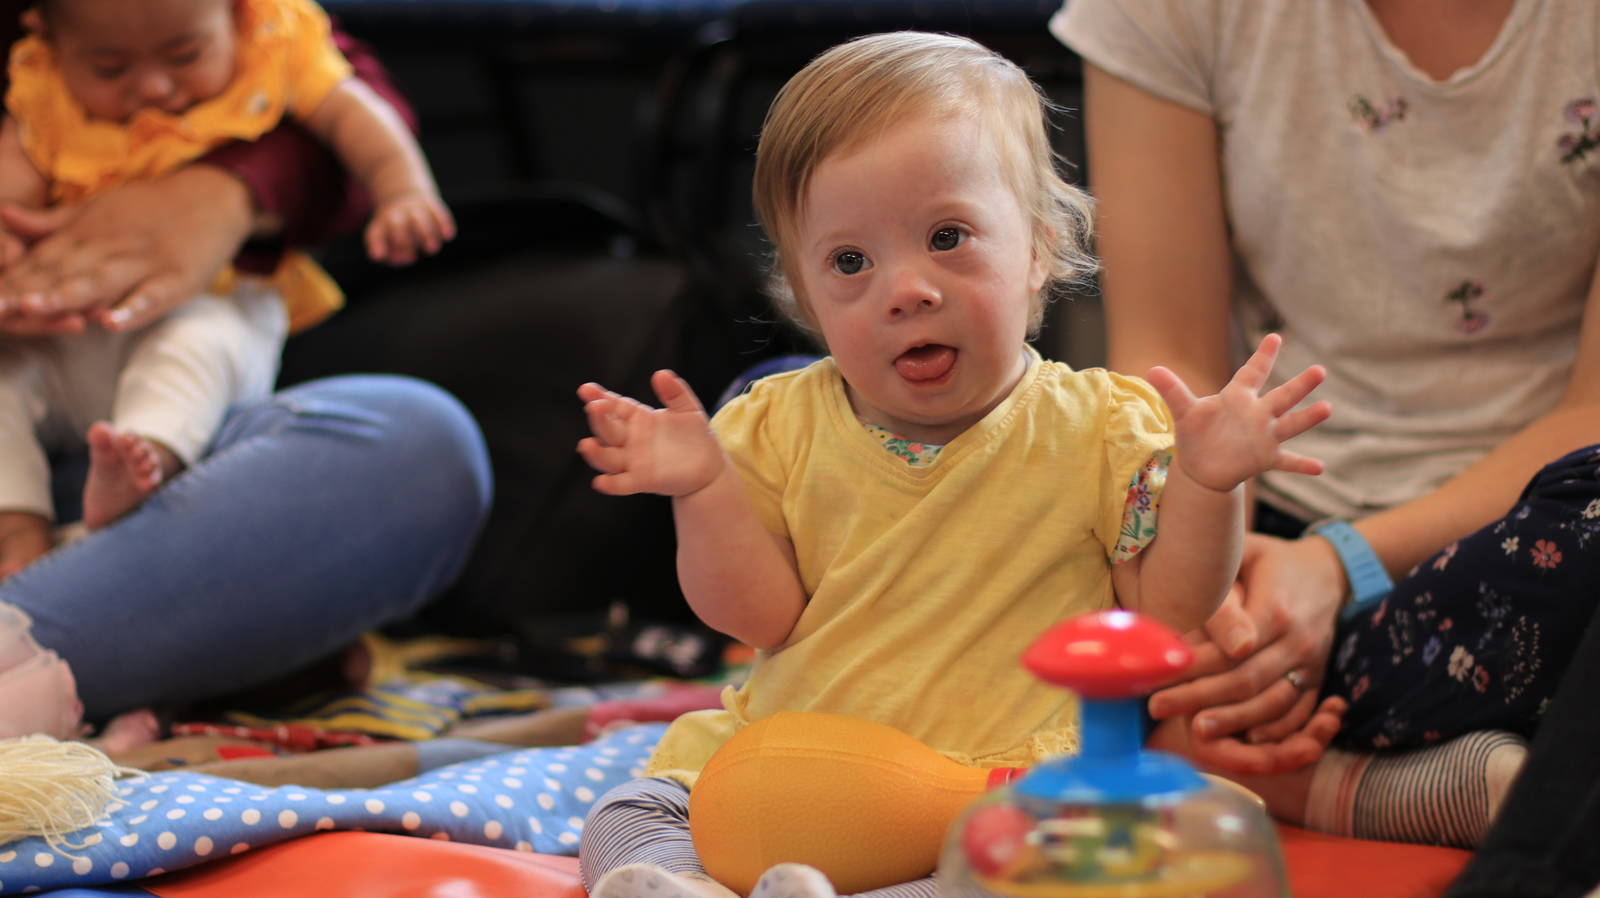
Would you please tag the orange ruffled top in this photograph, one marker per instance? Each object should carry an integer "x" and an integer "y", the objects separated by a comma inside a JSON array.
[{"x": 286, "y": 63}]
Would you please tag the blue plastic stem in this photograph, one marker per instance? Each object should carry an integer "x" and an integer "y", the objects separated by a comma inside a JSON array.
[{"x": 1111, "y": 728}]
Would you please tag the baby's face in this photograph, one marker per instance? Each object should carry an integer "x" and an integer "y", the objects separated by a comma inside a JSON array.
[
  {"x": 917, "y": 263},
  {"x": 121, "y": 56}
]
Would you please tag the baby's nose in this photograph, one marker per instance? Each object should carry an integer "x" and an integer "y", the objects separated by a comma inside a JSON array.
[
  {"x": 155, "y": 86},
  {"x": 912, "y": 291}
]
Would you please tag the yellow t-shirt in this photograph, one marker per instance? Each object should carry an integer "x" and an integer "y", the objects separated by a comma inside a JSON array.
[
  {"x": 286, "y": 63},
  {"x": 927, "y": 583}
]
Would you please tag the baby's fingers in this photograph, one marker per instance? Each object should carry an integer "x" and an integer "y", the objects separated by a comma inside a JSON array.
[
  {"x": 444, "y": 224},
  {"x": 1301, "y": 420},
  {"x": 608, "y": 420},
  {"x": 1288, "y": 394},
  {"x": 377, "y": 240},
  {"x": 603, "y": 458},
  {"x": 1295, "y": 463},
  {"x": 623, "y": 484},
  {"x": 675, "y": 392},
  {"x": 1256, "y": 369},
  {"x": 1173, "y": 390},
  {"x": 423, "y": 229}
]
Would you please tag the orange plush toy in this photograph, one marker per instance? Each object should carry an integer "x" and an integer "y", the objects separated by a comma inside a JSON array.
[{"x": 864, "y": 803}]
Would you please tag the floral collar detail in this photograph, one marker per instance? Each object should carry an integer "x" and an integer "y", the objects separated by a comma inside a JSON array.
[{"x": 916, "y": 454}]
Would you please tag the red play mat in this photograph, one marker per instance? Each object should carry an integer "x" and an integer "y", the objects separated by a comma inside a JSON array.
[{"x": 374, "y": 865}]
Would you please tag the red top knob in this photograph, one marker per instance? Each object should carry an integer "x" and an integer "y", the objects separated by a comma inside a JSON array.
[{"x": 1107, "y": 654}]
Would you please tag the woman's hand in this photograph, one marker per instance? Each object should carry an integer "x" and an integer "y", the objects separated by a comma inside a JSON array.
[
  {"x": 1247, "y": 708},
  {"x": 124, "y": 258}
]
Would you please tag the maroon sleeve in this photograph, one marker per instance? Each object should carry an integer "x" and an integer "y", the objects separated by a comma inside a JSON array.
[{"x": 294, "y": 176}]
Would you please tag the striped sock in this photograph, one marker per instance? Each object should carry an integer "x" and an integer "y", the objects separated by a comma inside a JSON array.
[{"x": 1444, "y": 794}]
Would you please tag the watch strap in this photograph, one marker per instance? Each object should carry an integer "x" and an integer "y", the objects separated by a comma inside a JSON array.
[{"x": 1369, "y": 581}]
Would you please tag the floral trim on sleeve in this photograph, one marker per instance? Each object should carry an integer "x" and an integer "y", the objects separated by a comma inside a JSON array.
[
  {"x": 1139, "y": 514},
  {"x": 915, "y": 454}
]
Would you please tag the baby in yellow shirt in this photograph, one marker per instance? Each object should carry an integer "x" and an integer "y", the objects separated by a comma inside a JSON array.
[
  {"x": 107, "y": 91},
  {"x": 919, "y": 224}
]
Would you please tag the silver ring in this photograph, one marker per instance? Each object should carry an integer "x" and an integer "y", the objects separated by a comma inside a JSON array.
[{"x": 1296, "y": 679}]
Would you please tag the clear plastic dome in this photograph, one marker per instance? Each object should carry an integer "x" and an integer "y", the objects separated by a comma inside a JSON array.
[
  {"x": 1114, "y": 820},
  {"x": 1214, "y": 840}
]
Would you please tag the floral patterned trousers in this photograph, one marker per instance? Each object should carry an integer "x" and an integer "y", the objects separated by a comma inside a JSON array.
[{"x": 1479, "y": 635}]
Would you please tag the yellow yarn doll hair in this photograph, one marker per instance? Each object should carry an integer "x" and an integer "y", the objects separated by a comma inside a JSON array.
[{"x": 53, "y": 789}]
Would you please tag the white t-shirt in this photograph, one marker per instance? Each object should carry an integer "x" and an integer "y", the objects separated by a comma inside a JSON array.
[{"x": 1430, "y": 242}]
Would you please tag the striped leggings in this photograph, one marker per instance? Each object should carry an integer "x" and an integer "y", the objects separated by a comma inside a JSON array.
[{"x": 646, "y": 821}]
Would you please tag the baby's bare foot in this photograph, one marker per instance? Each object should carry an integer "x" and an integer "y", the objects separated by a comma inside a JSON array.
[
  {"x": 24, "y": 537},
  {"x": 127, "y": 731},
  {"x": 124, "y": 469}
]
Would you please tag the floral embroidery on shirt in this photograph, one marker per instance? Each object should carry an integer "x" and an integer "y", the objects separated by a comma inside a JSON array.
[
  {"x": 1139, "y": 511},
  {"x": 916, "y": 454},
  {"x": 1472, "y": 320},
  {"x": 1575, "y": 146},
  {"x": 1372, "y": 118}
]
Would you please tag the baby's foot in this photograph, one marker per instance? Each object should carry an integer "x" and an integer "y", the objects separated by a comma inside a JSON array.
[
  {"x": 124, "y": 469},
  {"x": 127, "y": 731},
  {"x": 651, "y": 881},
  {"x": 793, "y": 881},
  {"x": 24, "y": 538}
]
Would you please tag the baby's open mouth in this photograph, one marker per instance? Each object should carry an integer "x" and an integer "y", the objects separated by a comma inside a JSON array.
[{"x": 928, "y": 362}]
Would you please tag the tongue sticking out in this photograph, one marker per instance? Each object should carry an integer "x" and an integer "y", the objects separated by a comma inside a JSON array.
[{"x": 925, "y": 362}]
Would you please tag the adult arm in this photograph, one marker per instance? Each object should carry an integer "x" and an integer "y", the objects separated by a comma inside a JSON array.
[
  {"x": 1291, "y": 586},
  {"x": 1163, "y": 239},
  {"x": 1160, "y": 231},
  {"x": 132, "y": 253},
  {"x": 1162, "y": 235}
]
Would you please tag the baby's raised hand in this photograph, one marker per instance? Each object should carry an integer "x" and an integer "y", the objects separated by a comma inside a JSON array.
[
  {"x": 407, "y": 226},
  {"x": 1228, "y": 438},
  {"x": 638, "y": 449}
]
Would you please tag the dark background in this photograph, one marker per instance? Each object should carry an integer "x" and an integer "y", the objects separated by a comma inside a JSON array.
[{"x": 597, "y": 154}]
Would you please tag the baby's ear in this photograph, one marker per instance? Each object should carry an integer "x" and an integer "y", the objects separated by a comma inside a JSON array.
[{"x": 1039, "y": 270}]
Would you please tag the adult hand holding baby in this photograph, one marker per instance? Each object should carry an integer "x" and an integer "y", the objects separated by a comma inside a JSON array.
[
  {"x": 125, "y": 257},
  {"x": 1248, "y": 714}
]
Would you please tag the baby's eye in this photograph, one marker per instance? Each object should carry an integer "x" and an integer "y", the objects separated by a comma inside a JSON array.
[
  {"x": 849, "y": 261},
  {"x": 946, "y": 239},
  {"x": 185, "y": 59},
  {"x": 110, "y": 72}
]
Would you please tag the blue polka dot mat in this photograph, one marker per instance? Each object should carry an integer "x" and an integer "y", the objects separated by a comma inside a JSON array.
[{"x": 531, "y": 799}]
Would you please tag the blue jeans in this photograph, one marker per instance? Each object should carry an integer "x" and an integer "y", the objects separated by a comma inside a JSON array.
[{"x": 317, "y": 513}]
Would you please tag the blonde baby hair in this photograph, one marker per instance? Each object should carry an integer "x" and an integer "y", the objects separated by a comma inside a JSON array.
[{"x": 864, "y": 87}]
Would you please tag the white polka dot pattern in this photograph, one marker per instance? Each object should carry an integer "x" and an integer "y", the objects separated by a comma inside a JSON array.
[{"x": 528, "y": 799}]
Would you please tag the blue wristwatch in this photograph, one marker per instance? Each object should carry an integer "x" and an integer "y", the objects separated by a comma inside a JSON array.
[{"x": 1369, "y": 582}]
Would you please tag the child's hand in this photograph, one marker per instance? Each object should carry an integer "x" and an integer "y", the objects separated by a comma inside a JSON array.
[
  {"x": 1226, "y": 439},
  {"x": 638, "y": 449},
  {"x": 407, "y": 226}
]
